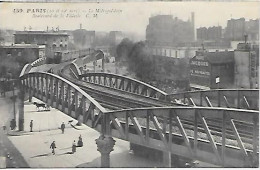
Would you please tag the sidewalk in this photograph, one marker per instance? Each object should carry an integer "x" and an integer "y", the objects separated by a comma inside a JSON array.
[{"x": 35, "y": 146}]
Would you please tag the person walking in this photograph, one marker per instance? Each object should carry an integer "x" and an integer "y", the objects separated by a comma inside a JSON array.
[
  {"x": 31, "y": 126},
  {"x": 80, "y": 143},
  {"x": 73, "y": 147},
  {"x": 62, "y": 127},
  {"x": 53, "y": 146}
]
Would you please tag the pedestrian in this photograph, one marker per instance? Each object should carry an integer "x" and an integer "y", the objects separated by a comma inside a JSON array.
[
  {"x": 31, "y": 126},
  {"x": 73, "y": 147},
  {"x": 62, "y": 127},
  {"x": 80, "y": 143},
  {"x": 53, "y": 146},
  {"x": 4, "y": 129}
]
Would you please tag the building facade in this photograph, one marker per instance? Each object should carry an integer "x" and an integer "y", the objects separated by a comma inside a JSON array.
[
  {"x": 207, "y": 67},
  {"x": 83, "y": 39},
  {"x": 174, "y": 52},
  {"x": 188, "y": 50},
  {"x": 23, "y": 50},
  {"x": 246, "y": 66},
  {"x": 164, "y": 30},
  {"x": 212, "y": 33},
  {"x": 53, "y": 41},
  {"x": 237, "y": 28}
]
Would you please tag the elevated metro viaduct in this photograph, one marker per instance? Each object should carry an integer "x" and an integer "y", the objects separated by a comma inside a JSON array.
[
  {"x": 212, "y": 98},
  {"x": 141, "y": 125}
]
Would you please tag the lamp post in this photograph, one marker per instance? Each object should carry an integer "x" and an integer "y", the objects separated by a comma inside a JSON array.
[
  {"x": 13, "y": 122},
  {"x": 14, "y": 102}
]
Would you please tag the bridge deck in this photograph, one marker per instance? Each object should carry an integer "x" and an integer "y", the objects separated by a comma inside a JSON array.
[
  {"x": 127, "y": 124},
  {"x": 125, "y": 97}
]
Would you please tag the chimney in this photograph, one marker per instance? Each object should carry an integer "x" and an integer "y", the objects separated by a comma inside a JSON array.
[
  {"x": 193, "y": 25},
  {"x": 245, "y": 38}
]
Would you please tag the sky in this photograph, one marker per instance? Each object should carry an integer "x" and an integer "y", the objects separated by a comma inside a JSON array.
[{"x": 128, "y": 17}]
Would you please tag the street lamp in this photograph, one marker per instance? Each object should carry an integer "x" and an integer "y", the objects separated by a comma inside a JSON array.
[{"x": 13, "y": 122}]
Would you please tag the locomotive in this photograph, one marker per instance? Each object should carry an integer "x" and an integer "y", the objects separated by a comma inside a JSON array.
[{"x": 64, "y": 56}]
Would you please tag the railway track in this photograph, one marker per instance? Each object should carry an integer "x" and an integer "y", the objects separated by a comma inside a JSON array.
[{"x": 107, "y": 100}]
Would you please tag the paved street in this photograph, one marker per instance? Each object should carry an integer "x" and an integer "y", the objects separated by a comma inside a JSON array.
[
  {"x": 35, "y": 146},
  {"x": 7, "y": 149}
]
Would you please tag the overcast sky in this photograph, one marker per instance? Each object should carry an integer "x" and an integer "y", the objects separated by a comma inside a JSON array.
[{"x": 131, "y": 17}]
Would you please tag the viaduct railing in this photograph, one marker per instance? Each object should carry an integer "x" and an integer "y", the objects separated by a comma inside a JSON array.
[
  {"x": 76, "y": 66},
  {"x": 163, "y": 129},
  {"x": 123, "y": 83},
  {"x": 27, "y": 67},
  {"x": 160, "y": 128},
  {"x": 235, "y": 98},
  {"x": 64, "y": 96},
  {"x": 39, "y": 61}
]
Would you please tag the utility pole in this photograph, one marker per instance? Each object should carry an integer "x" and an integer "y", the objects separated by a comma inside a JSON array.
[
  {"x": 13, "y": 122},
  {"x": 14, "y": 105}
]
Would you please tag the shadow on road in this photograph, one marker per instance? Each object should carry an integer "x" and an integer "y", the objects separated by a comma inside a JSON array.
[
  {"x": 46, "y": 154},
  {"x": 64, "y": 153},
  {"x": 124, "y": 159}
]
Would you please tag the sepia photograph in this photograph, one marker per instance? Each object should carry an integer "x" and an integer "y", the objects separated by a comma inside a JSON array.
[{"x": 143, "y": 84}]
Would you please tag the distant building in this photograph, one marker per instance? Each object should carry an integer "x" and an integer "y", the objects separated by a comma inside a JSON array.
[
  {"x": 202, "y": 33},
  {"x": 53, "y": 41},
  {"x": 207, "y": 67},
  {"x": 212, "y": 33},
  {"x": 174, "y": 52},
  {"x": 252, "y": 29},
  {"x": 215, "y": 33},
  {"x": 115, "y": 37},
  {"x": 23, "y": 50},
  {"x": 164, "y": 30},
  {"x": 246, "y": 66},
  {"x": 83, "y": 38},
  {"x": 188, "y": 50},
  {"x": 237, "y": 28}
]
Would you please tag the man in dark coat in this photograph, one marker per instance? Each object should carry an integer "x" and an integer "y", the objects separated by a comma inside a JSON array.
[
  {"x": 80, "y": 142},
  {"x": 53, "y": 146},
  {"x": 31, "y": 126},
  {"x": 62, "y": 127},
  {"x": 74, "y": 147}
]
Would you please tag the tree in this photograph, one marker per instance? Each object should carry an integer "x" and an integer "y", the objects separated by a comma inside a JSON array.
[
  {"x": 123, "y": 49},
  {"x": 2, "y": 71},
  {"x": 140, "y": 62},
  {"x": 26, "y": 57}
]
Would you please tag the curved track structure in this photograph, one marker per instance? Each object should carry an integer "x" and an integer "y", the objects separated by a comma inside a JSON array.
[
  {"x": 63, "y": 95},
  {"x": 153, "y": 127},
  {"x": 27, "y": 67},
  {"x": 211, "y": 133},
  {"x": 109, "y": 97},
  {"x": 230, "y": 98},
  {"x": 123, "y": 83}
]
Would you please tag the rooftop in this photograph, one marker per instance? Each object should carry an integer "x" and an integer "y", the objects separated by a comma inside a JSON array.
[
  {"x": 41, "y": 33},
  {"x": 22, "y": 46},
  {"x": 217, "y": 57},
  {"x": 220, "y": 57}
]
